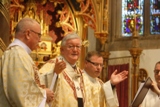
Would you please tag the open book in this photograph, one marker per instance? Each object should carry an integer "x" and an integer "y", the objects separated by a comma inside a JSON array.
[{"x": 141, "y": 93}]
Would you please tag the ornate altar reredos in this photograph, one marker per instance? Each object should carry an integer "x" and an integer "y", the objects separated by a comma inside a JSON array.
[
  {"x": 55, "y": 17},
  {"x": 58, "y": 18}
]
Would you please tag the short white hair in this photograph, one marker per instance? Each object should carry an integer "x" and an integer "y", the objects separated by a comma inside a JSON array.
[{"x": 70, "y": 36}]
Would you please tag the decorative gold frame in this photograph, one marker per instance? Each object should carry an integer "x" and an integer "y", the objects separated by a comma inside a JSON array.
[
  {"x": 2, "y": 47},
  {"x": 142, "y": 74}
]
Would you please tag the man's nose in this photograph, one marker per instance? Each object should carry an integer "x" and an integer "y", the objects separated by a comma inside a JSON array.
[{"x": 99, "y": 66}]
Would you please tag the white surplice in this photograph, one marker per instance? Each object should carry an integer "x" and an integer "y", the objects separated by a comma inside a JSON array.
[{"x": 151, "y": 100}]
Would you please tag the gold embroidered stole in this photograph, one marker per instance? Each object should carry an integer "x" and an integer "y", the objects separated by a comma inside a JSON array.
[
  {"x": 72, "y": 85},
  {"x": 36, "y": 77}
]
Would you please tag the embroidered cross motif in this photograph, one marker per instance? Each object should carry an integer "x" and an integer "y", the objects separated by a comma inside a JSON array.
[{"x": 78, "y": 88}]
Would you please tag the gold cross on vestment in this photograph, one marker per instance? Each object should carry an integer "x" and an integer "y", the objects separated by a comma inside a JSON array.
[{"x": 78, "y": 88}]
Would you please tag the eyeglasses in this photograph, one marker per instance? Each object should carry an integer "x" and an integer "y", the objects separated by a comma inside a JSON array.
[
  {"x": 96, "y": 64},
  {"x": 73, "y": 47},
  {"x": 156, "y": 72},
  {"x": 39, "y": 34}
]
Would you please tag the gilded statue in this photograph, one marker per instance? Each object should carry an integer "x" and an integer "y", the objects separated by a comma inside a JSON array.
[{"x": 31, "y": 10}]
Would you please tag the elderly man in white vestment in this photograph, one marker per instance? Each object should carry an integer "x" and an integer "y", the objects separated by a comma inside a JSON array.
[
  {"x": 71, "y": 88},
  {"x": 152, "y": 99},
  {"x": 19, "y": 77},
  {"x": 92, "y": 70}
]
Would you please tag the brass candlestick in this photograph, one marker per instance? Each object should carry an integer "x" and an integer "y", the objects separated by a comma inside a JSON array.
[{"x": 135, "y": 51}]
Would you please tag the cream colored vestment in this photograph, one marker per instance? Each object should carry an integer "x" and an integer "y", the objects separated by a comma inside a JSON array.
[
  {"x": 19, "y": 82},
  {"x": 99, "y": 94}
]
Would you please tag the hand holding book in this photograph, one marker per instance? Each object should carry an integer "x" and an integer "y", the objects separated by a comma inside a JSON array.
[{"x": 154, "y": 88}]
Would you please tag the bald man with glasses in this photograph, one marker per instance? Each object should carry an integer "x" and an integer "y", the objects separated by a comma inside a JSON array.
[
  {"x": 20, "y": 84},
  {"x": 104, "y": 93}
]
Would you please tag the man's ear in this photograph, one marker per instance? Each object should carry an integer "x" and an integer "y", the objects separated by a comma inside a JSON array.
[{"x": 27, "y": 34}]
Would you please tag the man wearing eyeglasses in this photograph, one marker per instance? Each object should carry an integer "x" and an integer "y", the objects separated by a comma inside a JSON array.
[
  {"x": 103, "y": 94},
  {"x": 20, "y": 84},
  {"x": 68, "y": 88},
  {"x": 152, "y": 98}
]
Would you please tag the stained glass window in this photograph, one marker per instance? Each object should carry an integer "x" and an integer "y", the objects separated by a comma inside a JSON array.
[
  {"x": 155, "y": 16},
  {"x": 132, "y": 13}
]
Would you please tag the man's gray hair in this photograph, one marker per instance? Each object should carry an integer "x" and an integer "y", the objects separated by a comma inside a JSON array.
[{"x": 70, "y": 36}]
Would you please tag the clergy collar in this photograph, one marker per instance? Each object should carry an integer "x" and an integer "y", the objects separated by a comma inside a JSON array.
[
  {"x": 73, "y": 66},
  {"x": 20, "y": 43},
  {"x": 90, "y": 78}
]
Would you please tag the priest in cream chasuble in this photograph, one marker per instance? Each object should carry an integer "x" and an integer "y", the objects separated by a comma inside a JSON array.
[
  {"x": 19, "y": 84},
  {"x": 99, "y": 94}
]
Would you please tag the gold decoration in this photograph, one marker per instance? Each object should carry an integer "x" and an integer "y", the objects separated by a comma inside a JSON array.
[
  {"x": 143, "y": 74},
  {"x": 85, "y": 43},
  {"x": 133, "y": 26},
  {"x": 102, "y": 36},
  {"x": 87, "y": 13},
  {"x": 135, "y": 52},
  {"x": 56, "y": 49}
]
